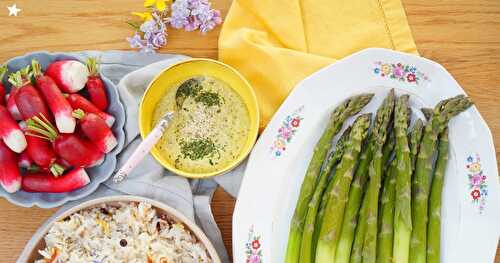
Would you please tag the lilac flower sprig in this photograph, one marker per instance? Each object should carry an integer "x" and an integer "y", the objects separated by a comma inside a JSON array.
[
  {"x": 189, "y": 15},
  {"x": 194, "y": 14},
  {"x": 150, "y": 36}
]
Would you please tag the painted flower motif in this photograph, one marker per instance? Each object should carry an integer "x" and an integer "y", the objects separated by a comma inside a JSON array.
[
  {"x": 411, "y": 77},
  {"x": 476, "y": 179},
  {"x": 280, "y": 144},
  {"x": 478, "y": 188},
  {"x": 475, "y": 167},
  {"x": 286, "y": 132},
  {"x": 295, "y": 122},
  {"x": 400, "y": 72},
  {"x": 254, "y": 259},
  {"x": 386, "y": 69},
  {"x": 255, "y": 244},
  {"x": 475, "y": 194},
  {"x": 253, "y": 247}
]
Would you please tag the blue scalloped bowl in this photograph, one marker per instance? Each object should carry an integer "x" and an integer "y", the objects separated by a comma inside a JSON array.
[{"x": 97, "y": 174}]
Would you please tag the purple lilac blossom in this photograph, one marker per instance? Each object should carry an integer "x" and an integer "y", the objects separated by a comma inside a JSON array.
[
  {"x": 154, "y": 35},
  {"x": 194, "y": 14}
]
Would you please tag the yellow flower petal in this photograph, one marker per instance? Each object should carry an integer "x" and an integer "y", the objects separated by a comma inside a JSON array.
[
  {"x": 160, "y": 5},
  {"x": 144, "y": 15},
  {"x": 148, "y": 3}
]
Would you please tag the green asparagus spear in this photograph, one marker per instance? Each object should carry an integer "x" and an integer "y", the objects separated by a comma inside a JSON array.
[
  {"x": 339, "y": 151},
  {"x": 386, "y": 224},
  {"x": 388, "y": 149},
  {"x": 402, "y": 215},
  {"x": 427, "y": 112},
  {"x": 443, "y": 112},
  {"x": 371, "y": 197},
  {"x": 349, "y": 221},
  {"x": 330, "y": 228},
  {"x": 434, "y": 227},
  {"x": 307, "y": 245},
  {"x": 348, "y": 108},
  {"x": 414, "y": 141},
  {"x": 359, "y": 237},
  {"x": 375, "y": 173}
]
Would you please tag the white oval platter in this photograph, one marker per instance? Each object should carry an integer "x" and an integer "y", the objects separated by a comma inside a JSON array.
[{"x": 274, "y": 173}]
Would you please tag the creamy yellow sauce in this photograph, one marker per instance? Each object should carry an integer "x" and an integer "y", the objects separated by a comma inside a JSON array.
[{"x": 210, "y": 129}]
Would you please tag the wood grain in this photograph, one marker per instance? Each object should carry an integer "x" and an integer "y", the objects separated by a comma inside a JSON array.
[{"x": 464, "y": 36}]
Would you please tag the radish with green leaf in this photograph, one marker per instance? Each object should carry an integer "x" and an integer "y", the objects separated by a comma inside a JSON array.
[
  {"x": 3, "y": 70},
  {"x": 11, "y": 104},
  {"x": 95, "y": 86},
  {"x": 10, "y": 132},
  {"x": 42, "y": 154},
  {"x": 60, "y": 107},
  {"x": 96, "y": 129},
  {"x": 46, "y": 183},
  {"x": 79, "y": 102},
  {"x": 10, "y": 177},
  {"x": 75, "y": 150},
  {"x": 28, "y": 100},
  {"x": 69, "y": 75}
]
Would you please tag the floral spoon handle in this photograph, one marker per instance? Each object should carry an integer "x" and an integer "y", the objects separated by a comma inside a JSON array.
[{"x": 143, "y": 149}]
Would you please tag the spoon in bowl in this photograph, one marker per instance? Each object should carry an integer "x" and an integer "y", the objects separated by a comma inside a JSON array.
[{"x": 187, "y": 89}]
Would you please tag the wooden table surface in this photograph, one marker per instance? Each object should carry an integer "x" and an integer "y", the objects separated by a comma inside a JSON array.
[{"x": 462, "y": 35}]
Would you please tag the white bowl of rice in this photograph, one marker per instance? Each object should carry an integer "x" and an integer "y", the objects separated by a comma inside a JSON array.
[{"x": 121, "y": 229}]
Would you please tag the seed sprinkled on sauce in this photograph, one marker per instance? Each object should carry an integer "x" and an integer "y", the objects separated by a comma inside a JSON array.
[{"x": 123, "y": 243}]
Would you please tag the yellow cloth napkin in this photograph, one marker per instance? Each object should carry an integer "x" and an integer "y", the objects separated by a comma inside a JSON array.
[{"x": 277, "y": 43}]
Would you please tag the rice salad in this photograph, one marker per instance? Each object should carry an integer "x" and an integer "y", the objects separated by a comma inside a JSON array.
[{"x": 128, "y": 232}]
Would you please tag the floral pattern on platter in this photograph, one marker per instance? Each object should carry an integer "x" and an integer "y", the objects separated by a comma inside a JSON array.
[
  {"x": 401, "y": 72},
  {"x": 286, "y": 132},
  {"x": 253, "y": 248},
  {"x": 478, "y": 188}
]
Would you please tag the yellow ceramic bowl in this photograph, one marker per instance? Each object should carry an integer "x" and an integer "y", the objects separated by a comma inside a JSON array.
[{"x": 182, "y": 71}]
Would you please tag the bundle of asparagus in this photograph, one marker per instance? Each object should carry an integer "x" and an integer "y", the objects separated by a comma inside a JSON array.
[{"x": 370, "y": 201}]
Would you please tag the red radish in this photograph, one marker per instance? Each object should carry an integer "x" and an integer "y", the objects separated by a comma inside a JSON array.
[
  {"x": 95, "y": 86},
  {"x": 11, "y": 104},
  {"x": 69, "y": 75},
  {"x": 75, "y": 150},
  {"x": 3, "y": 70},
  {"x": 43, "y": 155},
  {"x": 10, "y": 177},
  {"x": 25, "y": 160},
  {"x": 10, "y": 132},
  {"x": 95, "y": 128},
  {"x": 45, "y": 183},
  {"x": 28, "y": 100},
  {"x": 55, "y": 99},
  {"x": 79, "y": 102},
  {"x": 63, "y": 162}
]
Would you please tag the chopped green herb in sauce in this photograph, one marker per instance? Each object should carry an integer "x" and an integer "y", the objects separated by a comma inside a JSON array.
[
  {"x": 198, "y": 149},
  {"x": 208, "y": 98}
]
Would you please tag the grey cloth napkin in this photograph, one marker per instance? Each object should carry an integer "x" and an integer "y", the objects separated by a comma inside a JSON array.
[{"x": 132, "y": 72}]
